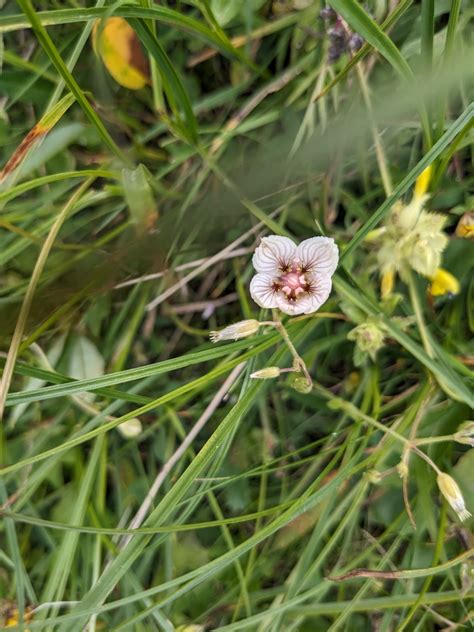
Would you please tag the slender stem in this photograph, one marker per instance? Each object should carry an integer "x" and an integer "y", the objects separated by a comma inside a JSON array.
[
  {"x": 299, "y": 362},
  {"x": 415, "y": 301},
  {"x": 426, "y": 458},
  {"x": 28, "y": 300},
  {"x": 379, "y": 151},
  {"x": 430, "y": 440},
  {"x": 355, "y": 413}
]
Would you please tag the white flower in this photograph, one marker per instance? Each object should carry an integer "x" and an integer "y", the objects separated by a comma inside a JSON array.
[{"x": 295, "y": 279}]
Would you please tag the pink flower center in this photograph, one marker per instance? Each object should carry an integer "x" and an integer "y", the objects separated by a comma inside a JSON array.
[{"x": 292, "y": 284}]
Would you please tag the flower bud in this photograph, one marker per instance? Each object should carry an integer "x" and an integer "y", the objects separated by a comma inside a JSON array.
[
  {"x": 387, "y": 283},
  {"x": 373, "y": 476},
  {"x": 402, "y": 469},
  {"x": 465, "y": 433},
  {"x": 266, "y": 374},
  {"x": 130, "y": 429},
  {"x": 443, "y": 282},
  {"x": 450, "y": 490},
  {"x": 423, "y": 182},
  {"x": 368, "y": 337},
  {"x": 465, "y": 227},
  {"x": 238, "y": 330},
  {"x": 302, "y": 385}
]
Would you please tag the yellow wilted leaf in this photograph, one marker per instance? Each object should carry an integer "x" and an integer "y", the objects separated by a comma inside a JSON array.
[{"x": 118, "y": 46}]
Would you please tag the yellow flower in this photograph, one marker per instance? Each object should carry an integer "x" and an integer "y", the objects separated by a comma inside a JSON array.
[
  {"x": 443, "y": 282},
  {"x": 465, "y": 227},
  {"x": 387, "y": 283},
  {"x": 411, "y": 238},
  {"x": 422, "y": 182}
]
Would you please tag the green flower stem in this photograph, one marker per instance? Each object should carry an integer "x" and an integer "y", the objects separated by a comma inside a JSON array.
[
  {"x": 430, "y": 440},
  {"x": 299, "y": 362},
  {"x": 408, "y": 276},
  {"x": 379, "y": 151},
  {"x": 357, "y": 414}
]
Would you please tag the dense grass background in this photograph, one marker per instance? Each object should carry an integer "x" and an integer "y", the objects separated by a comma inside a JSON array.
[{"x": 256, "y": 120}]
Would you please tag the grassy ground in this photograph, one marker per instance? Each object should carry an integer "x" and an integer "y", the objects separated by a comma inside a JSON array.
[{"x": 148, "y": 481}]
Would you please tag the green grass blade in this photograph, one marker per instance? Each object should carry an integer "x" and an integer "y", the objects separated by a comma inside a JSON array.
[
  {"x": 164, "y": 15},
  {"x": 172, "y": 84},
  {"x": 50, "y": 49},
  {"x": 456, "y": 128},
  {"x": 363, "y": 24}
]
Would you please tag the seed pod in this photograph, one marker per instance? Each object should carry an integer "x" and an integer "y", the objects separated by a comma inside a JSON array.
[
  {"x": 450, "y": 490},
  {"x": 268, "y": 373},
  {"x": 242, "y": 329}
]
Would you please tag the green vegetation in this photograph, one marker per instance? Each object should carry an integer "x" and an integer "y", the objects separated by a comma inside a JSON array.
[{"x": 147, "y": 480}]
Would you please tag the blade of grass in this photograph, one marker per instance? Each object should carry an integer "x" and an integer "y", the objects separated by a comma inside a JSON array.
[
  {"x": 166, "y": 16},
  {"x": 456, "y": 128},
  {"x": 24, "y": 187},
  {"x": 37, "y": 133},
  {"x": 64, "y": 556},
  {"x": 28, "y": 300},
  {"x": 138, "y": 373},
  {"x": 52, "y": 52},
  {"x": 172, "y": 84},
  {"x": 361, "y": 22},
  {"x": 448, "y": 380}
]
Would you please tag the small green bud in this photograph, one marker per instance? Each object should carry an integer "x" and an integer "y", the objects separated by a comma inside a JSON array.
[
  {"x": 465, "y": 433},
  {"x": 402, "y": 469},
  {"x": 373, "y": 476},
  {"x": 302, "y": 385},
  {"x": 336, "y": 404},
  {"x": 368, "y": 336}
]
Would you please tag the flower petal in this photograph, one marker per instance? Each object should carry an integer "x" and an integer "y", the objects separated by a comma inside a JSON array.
[
  {"x": 274, "y": 254},
  {"x": 262, "y": 292},
  {"x": 293, "y": 308},
  {"x": 318, "y": 255},
  {"x": 320, "y": 290}
]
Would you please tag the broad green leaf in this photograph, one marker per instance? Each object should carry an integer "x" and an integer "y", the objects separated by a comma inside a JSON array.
[
  {"x": 50, "y": 49},
  {"x": 139, "y": 197},
  {"x": 85, "y": 362}
]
